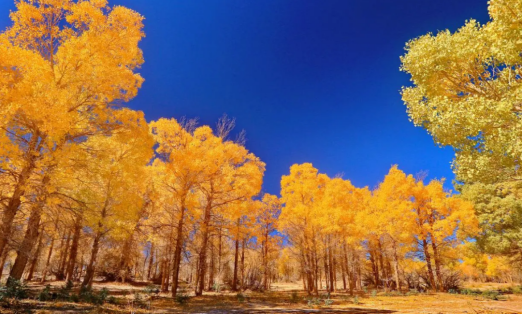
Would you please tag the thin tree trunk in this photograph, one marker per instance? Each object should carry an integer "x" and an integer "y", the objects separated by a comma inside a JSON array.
[
  {"x": 427, "y": 256},
  {"x": 381, "y": 264},
  {"x": 437, "y": 264},
  {"x": 265, "y": 261},
  {"x": 343, "y": 272},
  {"x": 236, "y": 256},
  {"x": 74, "y": 249},
  {"x": 65, "y": 253},
  {"x": 178, "y": 248},
  {"x": 211, "y": 267},
  {"x": 46, "y": 269},
  {"x": 36, "y": 256},
  {"x": 331, "y": 265},
  {"x": 89, "y": 274},
  {"x": 243, "y": 264},
  {"x": 151, "y": 261},
  {"x": 200, "y": 279},
  {"x": 350, "y": 273},
  {"x": 396, "y": 267},
  {"x": 2, "y": 262}
]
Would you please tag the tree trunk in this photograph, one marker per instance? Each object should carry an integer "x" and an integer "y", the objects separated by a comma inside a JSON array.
[
  {"x": 325, "y": 265},
  {"x": 200, "y": 279},
  {"x": 343, "y": 272},
  {"x": 428, "y": 264},
  {"x": 265, "y": 262},
  {"x": 63, "y": 260},
  {"x": 151, "y": 261},
  {"x": 331, "y": 265},
  {"x": 3, "y": 258},
  {"x": 89, "y": 274},
  {"x": 436, "y": 257},
  {"x": 375, "y": 267},
  {"x": 178, "y": 248},
  {"x": 46, "y": 269},
  {"x": 211, "y": 267},
  {"x": 11, "y": 209},
  {"x": 30, "y": 238},
  {"x": 396, "y": 267},
  {"x": 236, "y": 256},
  {"x": 36, "y": 256},
  {"x": 381, "y": 264},
  {"x": 73, "y": 254},
  {"x": 243, "y": 264}
]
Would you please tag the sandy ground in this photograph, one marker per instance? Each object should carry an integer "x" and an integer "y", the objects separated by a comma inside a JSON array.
[{"x": 287, "y": 298}]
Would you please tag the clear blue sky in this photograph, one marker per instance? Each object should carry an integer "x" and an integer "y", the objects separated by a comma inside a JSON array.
[{"x": 309, "y": 80}]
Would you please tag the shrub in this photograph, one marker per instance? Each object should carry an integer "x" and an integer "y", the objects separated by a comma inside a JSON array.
[
  {"x": 151, "y": 289},
  {"x": 45, "y": 294},
  {"x": 356, "y": 300},
  {"x": 182, "y": 297},
  {"x": 14, "y": 289},
  {"x": 512, "y": 290},
  {"x": 374, "y": 293},
  {"x": 65, "y": 291},
  {"x": 112, "y": 300},
  {"x": 294, "y": 298},
  {"x": 240, "y": 297},
  {"x": 12, "y": 293},
  {"x": 328, "y": 302},
  {"x": 217, "y": 287},
  {"x": 470, "y": 292},
  {"x": 487, "y": 294},
  {"x": 451, "y": 280},
  {"x": 412, "y": 292},
  {"x": 492, "y": 295},
  {"x": 89, "y": 296}
]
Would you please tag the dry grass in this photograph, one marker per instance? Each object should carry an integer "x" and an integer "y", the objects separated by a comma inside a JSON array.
[{"x": 287, "y": 298}]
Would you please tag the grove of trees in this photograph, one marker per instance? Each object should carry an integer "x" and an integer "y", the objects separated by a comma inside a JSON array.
[{"x": 90, "y": 190}]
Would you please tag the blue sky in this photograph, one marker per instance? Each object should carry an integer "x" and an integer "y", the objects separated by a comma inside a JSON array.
[{"x": 309, "y": 80}]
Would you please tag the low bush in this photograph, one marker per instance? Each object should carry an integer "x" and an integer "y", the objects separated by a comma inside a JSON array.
[
  {"x": 12, "y": 293},
  {"x": 182, "y": 297},
  {"x": 487, "y": 294},
  {"x": 45, "y": 294},
  {"x": 314, "y": 301},
  {"x": 14, "y": 289},
  {"x": 294, "y": 298}
]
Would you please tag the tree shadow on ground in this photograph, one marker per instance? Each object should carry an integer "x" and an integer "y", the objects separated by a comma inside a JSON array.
[{"x": 290, "y": 311}]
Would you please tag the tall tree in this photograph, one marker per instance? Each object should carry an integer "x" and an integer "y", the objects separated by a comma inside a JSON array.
[
  {"x": 65, "y": 66},
  {"x": 466, "y": 93}
]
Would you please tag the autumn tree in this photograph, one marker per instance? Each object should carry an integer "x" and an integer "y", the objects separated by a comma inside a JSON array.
[
  {"x": 299, "y": 189},
  {"x": 232, "y": 175},
  {"x": 114, "y": 184},
  {"x": 268, "y": 211},
  {"x": 392, "y": 216},
  {"x": 442, "y": 220},
  {"x": 65, "y": 67},
  {"x": 466, "y": 92}
]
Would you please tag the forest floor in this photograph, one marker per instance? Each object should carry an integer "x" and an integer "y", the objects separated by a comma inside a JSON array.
[{"x": 284, "y": 298}]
